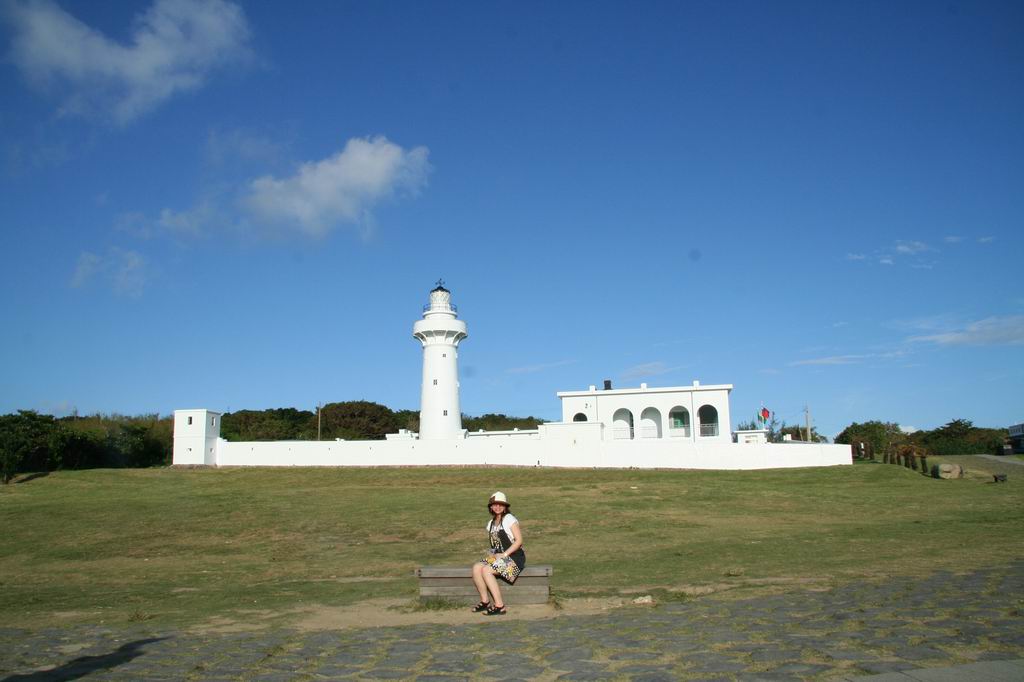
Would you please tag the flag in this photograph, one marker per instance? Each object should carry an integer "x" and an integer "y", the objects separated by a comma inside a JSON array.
[{"x": 765, "y": 414}]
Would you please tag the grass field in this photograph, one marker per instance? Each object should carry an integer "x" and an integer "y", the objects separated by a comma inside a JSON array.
[{"x": 179, "y": 546}]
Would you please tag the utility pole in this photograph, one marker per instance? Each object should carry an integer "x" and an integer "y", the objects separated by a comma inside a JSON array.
[
  {"x": 318, "y": 421},
  {"x": 807, "y": 421}
]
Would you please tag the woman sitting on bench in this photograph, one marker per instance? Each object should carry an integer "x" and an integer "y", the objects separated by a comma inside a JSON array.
[{"x": 506, "y": 559}]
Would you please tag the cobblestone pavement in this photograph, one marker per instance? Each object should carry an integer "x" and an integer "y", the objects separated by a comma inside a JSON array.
[{"x": 943, "y": 619}]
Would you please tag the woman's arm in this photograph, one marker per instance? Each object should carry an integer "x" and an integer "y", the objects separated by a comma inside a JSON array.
[{"x": 517, "y": 540}]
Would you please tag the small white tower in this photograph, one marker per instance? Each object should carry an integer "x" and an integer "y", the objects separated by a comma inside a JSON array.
[
  {"x": 195, "y": 436},
  {"x": 440, "y": 333}
]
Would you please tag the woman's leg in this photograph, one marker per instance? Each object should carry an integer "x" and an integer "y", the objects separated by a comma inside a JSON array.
[
  {"x": 478, "y": 579},
  {"x": 492, "y": 585}
]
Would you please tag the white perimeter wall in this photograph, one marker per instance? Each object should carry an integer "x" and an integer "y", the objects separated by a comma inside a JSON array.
[{"x": 559, "y": 445}]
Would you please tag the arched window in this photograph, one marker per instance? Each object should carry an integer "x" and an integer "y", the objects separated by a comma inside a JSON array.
[
  {"x": 579, "y": 417},
  {"x": 679, "y": 422},
  {"x": 708, "y": 417},
  {"x": 622, "y": 424},
  {"x": 650, "y": 423}
]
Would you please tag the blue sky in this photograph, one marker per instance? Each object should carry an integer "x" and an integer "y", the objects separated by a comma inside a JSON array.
[{"x": 241, "y": 205}]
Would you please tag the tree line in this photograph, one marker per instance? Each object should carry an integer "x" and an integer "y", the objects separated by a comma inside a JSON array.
[
  {"x": 352, "y": 420},
  {"x": 30, "y": 441},
  {"x": 958, "y": 437},
  {"x": 35, "y": 442}
]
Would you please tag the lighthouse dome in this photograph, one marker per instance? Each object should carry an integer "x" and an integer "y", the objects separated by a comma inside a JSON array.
[
  {"x": 440, "y": 301},
  {"x": 440, "y": 297}
]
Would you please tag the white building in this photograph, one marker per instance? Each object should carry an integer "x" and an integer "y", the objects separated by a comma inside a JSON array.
[
  {"x": 683, "y": 413},
  {"x": 684, "y": 427}
]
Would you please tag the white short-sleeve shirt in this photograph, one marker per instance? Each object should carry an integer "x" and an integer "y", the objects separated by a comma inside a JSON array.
[{"x": 506, "y": 525}]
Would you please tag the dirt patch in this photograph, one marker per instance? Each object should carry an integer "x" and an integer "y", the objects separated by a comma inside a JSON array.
[
  {"x": 394, "y": 612},
  {"x": 247, "y": 621}
]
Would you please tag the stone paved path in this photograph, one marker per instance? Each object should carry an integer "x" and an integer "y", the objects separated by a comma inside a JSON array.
[
  {"x": 1003, "y": 459},
  {"x": 943, "y": 619}
]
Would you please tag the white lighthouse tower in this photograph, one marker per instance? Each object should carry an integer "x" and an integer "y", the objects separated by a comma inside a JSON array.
[{"x": 440, "y": 333}]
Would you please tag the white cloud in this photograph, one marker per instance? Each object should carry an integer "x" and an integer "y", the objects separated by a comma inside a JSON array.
[
  {"x": 885, "y": 260},
  {"x": 911, "y": 248},
  {"x": 986, "y": 240},
  {"x": 342, "y": 188},
  {"x": 191, "y": 222},
  {"x": 88, "y": 265},
  {"x": 173, "y": 47},
  {"x": 125, "y": 271},
  {"x": 223, "y": 146},
  {"x": 952, "y": 239},
  {"x": 128, "y": 272},
  {"x": 647, "y": 369},
  {"x": 991, "y": 331},
  {"x": 928, "y": 323},
  {"x": 855, "y": 256},
  {"x": 832, "y": 360},
  {"x": 531, "y": 369},
  {"x": 851, "y": 359}
]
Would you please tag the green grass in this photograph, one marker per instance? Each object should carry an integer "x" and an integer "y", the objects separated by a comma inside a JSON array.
[{"x": 179, "y": 546}]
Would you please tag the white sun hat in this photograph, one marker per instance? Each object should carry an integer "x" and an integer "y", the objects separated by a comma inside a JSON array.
[{"x": 498, "y": 497}]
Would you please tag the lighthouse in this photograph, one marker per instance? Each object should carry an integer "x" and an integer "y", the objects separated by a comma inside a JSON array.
[{"x": 440, "y": 332}]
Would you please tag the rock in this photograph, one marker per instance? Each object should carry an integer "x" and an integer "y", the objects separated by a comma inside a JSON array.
[
  {"x": 947, "y": 471},
  {"x": 646, "y": 599}
]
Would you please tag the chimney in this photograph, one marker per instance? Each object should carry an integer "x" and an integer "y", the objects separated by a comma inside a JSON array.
[{"x": 607, "y": 384}]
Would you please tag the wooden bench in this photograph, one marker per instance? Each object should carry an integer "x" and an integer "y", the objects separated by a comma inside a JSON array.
[{"x": 456, "y": 583}]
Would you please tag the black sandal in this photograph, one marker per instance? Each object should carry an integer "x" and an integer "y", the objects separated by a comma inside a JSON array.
[
  {"x": 495, "y": 611},
  {"x": 482, "y": 606}
]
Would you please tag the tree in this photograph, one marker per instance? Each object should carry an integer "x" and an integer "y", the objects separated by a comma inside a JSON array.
[
  {"x": 11, "y": 451},
  {"x": 24, "y": 443},
  {"x": 800, "y": 433},
  {"x": 72, "y": 448},
  {"x": 879, "y": 434},
  {"x": 357, "y": 420},
  {"x": 408, "y": 419},
  {"x": 274, "y": 424},
  {"x": 960, "y": 437}
]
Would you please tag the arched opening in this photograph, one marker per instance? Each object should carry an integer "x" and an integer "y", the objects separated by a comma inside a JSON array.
[
  {"x": 679, "y": 422},
  {"x": 650, "y": 423},
  {"x": 708, "y": 417},
  {"x": 579, "y": 417},
  {"x": 622, "y": 424}
]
